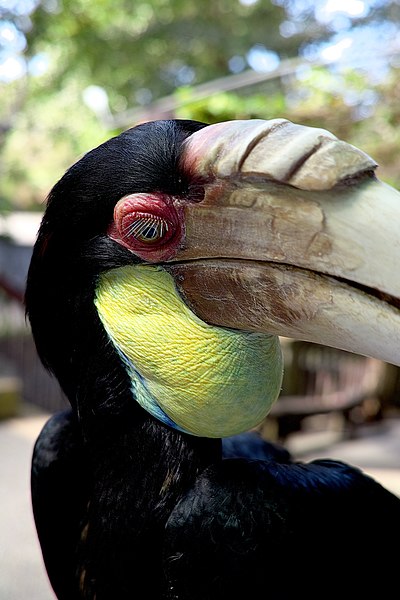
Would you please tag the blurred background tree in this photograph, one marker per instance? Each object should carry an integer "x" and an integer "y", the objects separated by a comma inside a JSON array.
[{"x": 73, "y": 73}]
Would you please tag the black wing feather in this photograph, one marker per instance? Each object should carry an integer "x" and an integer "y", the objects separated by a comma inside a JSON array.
[
  {"x": 279, "y": 530},
  {"x": 59, "y": 483}
]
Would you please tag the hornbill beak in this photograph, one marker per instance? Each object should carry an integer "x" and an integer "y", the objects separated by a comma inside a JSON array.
[{"x": 295, "y": 237}]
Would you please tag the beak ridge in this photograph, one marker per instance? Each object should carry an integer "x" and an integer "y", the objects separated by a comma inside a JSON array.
[{"x": 307, "y": 158}]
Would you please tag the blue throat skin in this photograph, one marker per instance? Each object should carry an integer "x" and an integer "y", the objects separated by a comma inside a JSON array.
[{"x": 200, "y": 379}]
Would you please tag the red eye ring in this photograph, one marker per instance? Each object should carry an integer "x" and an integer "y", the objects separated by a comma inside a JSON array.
[{"x": 148, "y": 224}]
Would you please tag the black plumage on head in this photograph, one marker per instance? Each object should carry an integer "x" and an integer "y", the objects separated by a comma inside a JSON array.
[{"x": 72, "y": 249}]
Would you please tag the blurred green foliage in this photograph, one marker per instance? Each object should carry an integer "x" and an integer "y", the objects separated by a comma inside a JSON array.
[
  {"x": 316, "y": 101},
  {"x": 140, "y": 51}
]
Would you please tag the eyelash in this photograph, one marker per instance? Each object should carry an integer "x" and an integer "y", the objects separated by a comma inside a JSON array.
[{"x": 147, "y": 229}]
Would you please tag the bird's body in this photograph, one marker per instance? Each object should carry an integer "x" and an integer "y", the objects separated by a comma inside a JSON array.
[
  {"x": 134, "y": 495},
  {"x": 156, "y": 510}
]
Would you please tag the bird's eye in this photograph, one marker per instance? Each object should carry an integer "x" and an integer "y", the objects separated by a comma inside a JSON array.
[
  {"x": 149, "y": 224},
  {"x": 147, "y": 228}
]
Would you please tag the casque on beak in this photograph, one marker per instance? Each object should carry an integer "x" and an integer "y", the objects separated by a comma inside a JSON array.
[{"x": 295, "y": 237}]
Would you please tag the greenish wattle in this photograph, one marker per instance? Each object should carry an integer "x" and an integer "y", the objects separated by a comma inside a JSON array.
[{"x": 205, "y": 380}]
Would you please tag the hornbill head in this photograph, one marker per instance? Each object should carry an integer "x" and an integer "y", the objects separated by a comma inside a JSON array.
[{"x": 171, "y": 258}]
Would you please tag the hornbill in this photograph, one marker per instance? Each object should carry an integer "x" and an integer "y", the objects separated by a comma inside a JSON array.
[{"x": 168, "y": 262}]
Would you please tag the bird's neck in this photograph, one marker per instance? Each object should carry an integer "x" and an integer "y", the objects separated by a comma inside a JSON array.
[
  {"x": 148, "y": 454},
  {"x": 139, "y": 474}
]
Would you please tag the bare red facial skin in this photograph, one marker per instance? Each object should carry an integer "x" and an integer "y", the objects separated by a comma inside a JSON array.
[{"x": 148, "y": 224}]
